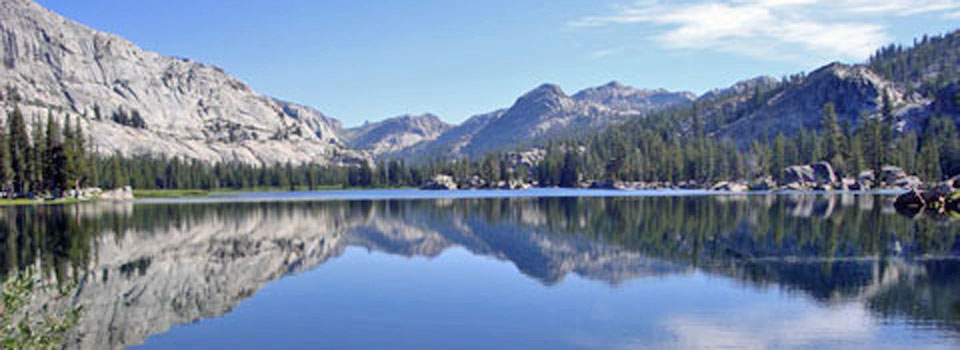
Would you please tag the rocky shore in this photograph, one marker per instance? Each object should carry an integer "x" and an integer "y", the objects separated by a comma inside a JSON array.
[{"x": 819, "y": 176}]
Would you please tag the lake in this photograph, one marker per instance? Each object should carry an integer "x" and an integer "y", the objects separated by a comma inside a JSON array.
[{"x": 546, "y": 269}]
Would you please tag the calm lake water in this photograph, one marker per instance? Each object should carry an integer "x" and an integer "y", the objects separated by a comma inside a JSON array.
[{"x": 469, "y": 270}]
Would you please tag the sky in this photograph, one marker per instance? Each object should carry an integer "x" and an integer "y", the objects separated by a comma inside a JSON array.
[{"x": 370, "y": 60}]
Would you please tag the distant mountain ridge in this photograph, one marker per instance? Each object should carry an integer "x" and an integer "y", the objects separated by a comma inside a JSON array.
[
  {"x": 395, "y": 134},
  {"x": 543, "y": 113}
]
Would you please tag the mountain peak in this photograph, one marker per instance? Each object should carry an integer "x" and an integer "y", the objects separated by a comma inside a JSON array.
[
  {"x": 613, "y": 84},
  {"x": 618, "y": 96},
  {"x": 546, "y": 90}
]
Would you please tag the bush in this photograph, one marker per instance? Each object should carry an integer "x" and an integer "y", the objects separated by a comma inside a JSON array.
[{"x": 41, "y": 329}]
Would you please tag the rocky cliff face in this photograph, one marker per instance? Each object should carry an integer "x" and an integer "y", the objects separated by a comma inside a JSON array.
[
  {"x": 138, "y": 102},
  {"x": 395, "y": 134},
  {"x": 546, "y": 112},
  {"x": 854, "y": 90}
]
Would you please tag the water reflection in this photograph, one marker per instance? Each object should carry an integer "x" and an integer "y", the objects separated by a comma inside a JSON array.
[{"x": 145, "y": 268}]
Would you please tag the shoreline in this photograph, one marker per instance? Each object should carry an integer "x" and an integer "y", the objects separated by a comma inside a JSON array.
[
  {"x": 418, "y": 194},
  {"x": 267, "y": 195}
]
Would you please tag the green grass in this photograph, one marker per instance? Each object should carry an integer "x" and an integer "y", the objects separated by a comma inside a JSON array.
[
  {"x": 171, "y": 193},
  {"x": 16, "y": 202},
  {"x": 206, "y": 193}
]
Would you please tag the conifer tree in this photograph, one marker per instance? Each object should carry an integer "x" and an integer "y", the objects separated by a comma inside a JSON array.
[
  {"x": 833, "y": 135},
  {"x": 53, "y": 161},
  {"x": 6, "y": 169},
  {"x": 39, "y": 154},
  {"x": 19, "y": 143}
]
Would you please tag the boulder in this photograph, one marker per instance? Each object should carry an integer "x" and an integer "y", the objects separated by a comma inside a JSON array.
[
  {"x": 83, "y": 193},
  {"x": 823, "y": 173},
  {"x": 765, "y": 183},
  {"x": 890, "y": 175},
  {"x": 801, "y": 174},
  {"x": 124, "y": 193},
  {"x": 794, "y": 186},
  {"x": 519, "y": 185},
  {"x": 473, "y": 182},
  {"x": 440, "y": 182},
  {"x": 726, "y": 186},
  {"x": 608, "y": 185},
  {"x": 907, "y": 183},
  {"x": 866, "y": 177},
  {"x": 953, "y": 182}
]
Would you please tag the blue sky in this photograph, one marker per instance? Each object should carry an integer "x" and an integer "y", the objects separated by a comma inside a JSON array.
[{"x": 369, "y": 60}]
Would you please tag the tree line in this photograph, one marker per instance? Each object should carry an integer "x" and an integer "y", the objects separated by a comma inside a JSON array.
[{"x": 674, "y": 145}]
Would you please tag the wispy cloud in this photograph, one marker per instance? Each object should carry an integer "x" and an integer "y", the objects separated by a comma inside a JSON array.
[
  {"x": 606, "y": 52},
  {"x": 777, "y": 29}
]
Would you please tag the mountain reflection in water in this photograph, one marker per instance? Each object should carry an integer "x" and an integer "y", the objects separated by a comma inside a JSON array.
[{"x": 144, "y": 268}]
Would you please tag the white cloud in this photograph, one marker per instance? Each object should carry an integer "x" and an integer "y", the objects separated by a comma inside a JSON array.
[
  {"x": 606, "y": 52},
  {"x": 897, "y": 7},
  {"x": 776, "y": 29}
]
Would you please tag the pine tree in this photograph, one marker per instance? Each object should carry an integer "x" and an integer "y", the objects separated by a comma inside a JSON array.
[
  {"x": 930, "y": 160},
  {"x": 39, "y": 155},
  {"x": 54, "y": 160},
  {"x": 19, "y": 142},
  {"x": 857, "y": 161},
  {"x": 117, "y": 175},
  {"x": 79, "y": 148},
  {"x": 778, "y": 160},
  {"x": 887, "y": 132},
  {"x": 6, "y": 169},
  {"x": 833, "y": 136},
  {"x": 69, "y": 156}
]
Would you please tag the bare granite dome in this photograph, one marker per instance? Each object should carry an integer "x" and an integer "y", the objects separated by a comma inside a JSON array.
[{"x": 182, "y": 108}]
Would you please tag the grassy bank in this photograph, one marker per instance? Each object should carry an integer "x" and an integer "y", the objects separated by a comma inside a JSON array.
[
  {"x": 194, "y": 193},
  {"x": 191, "y": 193},
  {"x": 16, "y": 202},
  {"x": 171, "y": 193}
]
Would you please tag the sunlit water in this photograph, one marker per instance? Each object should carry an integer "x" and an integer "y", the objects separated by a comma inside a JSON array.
[{"x": 469, "y": 270}]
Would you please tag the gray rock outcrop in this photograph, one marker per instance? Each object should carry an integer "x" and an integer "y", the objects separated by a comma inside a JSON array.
[
  {"x": 855, "y": 90},
  {"x": 124, "y": 193},
  {"x": 136, "y": 102},
  {"x": 440, "y": 182},
  {"x": 824, "y": 174}
]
